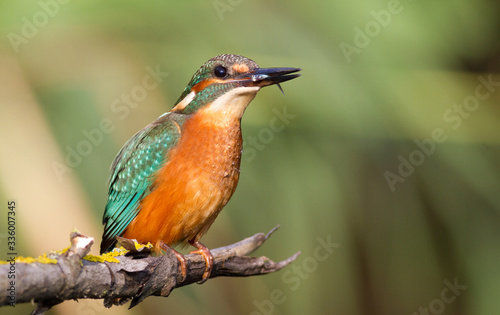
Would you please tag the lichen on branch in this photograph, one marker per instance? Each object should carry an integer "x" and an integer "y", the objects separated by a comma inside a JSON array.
[{"x": 125, "y": 274}]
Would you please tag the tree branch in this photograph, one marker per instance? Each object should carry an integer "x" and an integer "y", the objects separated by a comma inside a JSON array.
[{"x": 72, "y": 274}]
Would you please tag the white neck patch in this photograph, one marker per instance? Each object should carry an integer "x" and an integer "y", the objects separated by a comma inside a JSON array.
[
  {"x": 185, "y": 101},
  {"x": 233, "y": 103}
]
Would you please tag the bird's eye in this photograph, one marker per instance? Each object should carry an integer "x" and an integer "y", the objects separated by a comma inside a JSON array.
[{"x": 220, "y": 71}]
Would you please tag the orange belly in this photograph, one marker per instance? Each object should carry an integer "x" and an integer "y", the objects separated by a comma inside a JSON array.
[{"x": 196, "y": 182}]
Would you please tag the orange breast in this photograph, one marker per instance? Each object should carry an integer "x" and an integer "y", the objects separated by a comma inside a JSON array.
[{"x": 196, "y": 182}]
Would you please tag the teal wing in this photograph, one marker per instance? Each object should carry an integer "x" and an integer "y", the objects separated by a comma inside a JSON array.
[{"x": 132, "y": 175}]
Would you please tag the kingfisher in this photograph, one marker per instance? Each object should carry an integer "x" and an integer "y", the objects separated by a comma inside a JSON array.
[{"x": 169, "y": 182}]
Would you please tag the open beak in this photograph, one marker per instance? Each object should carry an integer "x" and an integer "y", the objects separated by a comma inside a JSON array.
[{"x": 267, "y": 76}]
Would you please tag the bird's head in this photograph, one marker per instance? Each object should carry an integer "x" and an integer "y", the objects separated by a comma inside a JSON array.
[{"x": 226, "y": 84}]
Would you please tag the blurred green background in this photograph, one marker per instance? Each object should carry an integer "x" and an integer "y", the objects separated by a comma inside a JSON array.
[{"x": 389, "y": 152}]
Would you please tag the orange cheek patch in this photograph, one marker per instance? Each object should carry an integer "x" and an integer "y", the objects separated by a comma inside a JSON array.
[
  {"x": 203, "y": 84},
  {"x": 240, "y": 68}
]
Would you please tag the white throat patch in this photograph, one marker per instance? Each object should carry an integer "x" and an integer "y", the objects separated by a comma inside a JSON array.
[{"x": 233, "y": 103}]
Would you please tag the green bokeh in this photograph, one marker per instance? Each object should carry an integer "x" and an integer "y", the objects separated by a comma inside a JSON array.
[{"x": 324, "y": 176}]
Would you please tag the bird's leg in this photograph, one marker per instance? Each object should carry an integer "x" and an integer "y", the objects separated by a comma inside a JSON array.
[
  {"x": 180, "y": 258},
  {"x": 207, "y": 255}
]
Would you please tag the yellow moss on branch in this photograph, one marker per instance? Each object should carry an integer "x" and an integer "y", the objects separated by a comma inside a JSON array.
[
  {"x": 44, "y": 259},
  {"x": 108, "y": 257}
]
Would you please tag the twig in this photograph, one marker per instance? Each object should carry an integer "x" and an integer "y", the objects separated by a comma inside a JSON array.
[{"x": 71, "y": 274}]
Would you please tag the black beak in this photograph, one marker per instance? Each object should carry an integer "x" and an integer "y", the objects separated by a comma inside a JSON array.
[{"x": 267, "y": 76}]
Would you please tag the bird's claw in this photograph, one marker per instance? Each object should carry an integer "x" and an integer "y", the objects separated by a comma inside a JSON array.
[
  {"x": 180, "y": 258},
  {"x": 207, "y": 255}
]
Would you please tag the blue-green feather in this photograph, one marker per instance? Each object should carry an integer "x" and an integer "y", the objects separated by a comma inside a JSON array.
[{"x": 133, "y": 173}]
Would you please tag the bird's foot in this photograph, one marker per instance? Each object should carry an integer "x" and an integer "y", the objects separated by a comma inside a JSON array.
[
  {"x": 207, "y": 255},
  {"x": 180, "y": 258}
]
